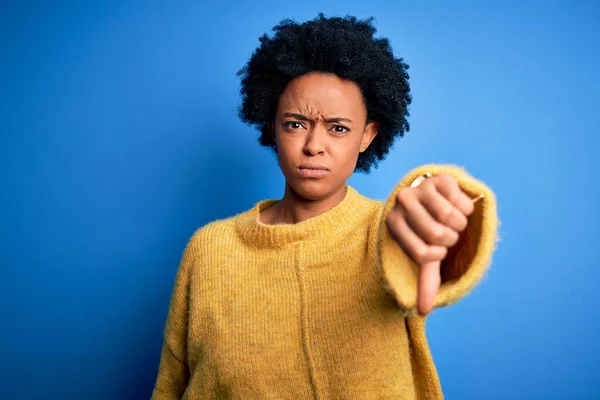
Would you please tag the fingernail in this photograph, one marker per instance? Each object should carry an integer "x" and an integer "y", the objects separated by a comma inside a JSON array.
[{"x": 476, "y": 199}]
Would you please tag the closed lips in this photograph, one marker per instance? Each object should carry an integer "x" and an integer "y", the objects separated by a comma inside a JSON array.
[
  {"x": 313, "y": 167},
  {"x": 312, "y": 171}
]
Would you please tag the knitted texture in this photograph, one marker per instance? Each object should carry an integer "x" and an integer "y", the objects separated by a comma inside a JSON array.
[{"x": 315, "y": 309}]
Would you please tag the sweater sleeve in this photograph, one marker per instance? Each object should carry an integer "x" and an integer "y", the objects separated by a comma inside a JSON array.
[
  {"x": 173, "y": 370},
  {"x": 466, "y": 262}
]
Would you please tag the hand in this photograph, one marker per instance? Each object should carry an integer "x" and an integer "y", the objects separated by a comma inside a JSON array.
[{"x": 426, "y": 221}]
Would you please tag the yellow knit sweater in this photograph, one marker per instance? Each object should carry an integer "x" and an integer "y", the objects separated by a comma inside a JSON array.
[{"x": 321, "y": 309}]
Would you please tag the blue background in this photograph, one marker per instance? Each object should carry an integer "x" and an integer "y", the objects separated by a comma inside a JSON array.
[{"x": 119, "y": 137}]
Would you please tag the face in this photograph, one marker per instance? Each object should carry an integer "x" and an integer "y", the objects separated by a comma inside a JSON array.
[{"x": 320, "y": 128}]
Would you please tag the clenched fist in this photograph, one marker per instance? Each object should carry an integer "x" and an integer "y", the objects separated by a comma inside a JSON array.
[{"x": 426, "y": 221}]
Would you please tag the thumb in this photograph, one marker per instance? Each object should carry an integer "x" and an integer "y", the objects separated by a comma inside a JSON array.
[{"x": 429, "y": 284}]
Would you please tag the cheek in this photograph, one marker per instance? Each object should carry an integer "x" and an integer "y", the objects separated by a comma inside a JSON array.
[
  {"x": 347, "y": 152},
  {"x": 286, "y": 153},
  {"x": 283, "y": 148},
  {"x": 291, "y": 145}
]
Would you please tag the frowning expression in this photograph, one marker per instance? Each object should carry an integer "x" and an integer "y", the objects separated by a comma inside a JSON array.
[{"x": 320, "y": 128}]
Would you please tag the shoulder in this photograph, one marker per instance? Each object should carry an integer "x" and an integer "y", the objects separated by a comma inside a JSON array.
[
  {"x": 212, "y": 233},
  {"x": 374, "y": 206},
  {"x": 220, "y": 234}
]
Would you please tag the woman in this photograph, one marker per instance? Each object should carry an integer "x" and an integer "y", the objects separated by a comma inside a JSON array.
[{"x": 323, "y": 294}]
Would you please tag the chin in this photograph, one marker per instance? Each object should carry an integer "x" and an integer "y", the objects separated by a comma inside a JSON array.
[{"x": 312, "y": 189}]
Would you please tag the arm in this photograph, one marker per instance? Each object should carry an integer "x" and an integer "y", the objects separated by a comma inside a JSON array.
[
  {"x": 173, "y": 372},
  {"x": 465, "y": 262}
]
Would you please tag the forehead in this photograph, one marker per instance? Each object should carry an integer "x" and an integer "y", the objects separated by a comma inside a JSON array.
[{"x": 319, "y": 93}]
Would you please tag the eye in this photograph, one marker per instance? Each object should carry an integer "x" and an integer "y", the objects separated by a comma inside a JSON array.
[
  {"x": 340, "y": 129},
  {"x": 293, "y": 125}
]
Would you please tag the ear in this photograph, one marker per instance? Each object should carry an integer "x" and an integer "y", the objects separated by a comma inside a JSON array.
[{"x": 368, "y": 135}]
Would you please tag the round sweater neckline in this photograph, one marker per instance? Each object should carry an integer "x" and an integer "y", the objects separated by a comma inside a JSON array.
[{"x": 259, "y": 234}]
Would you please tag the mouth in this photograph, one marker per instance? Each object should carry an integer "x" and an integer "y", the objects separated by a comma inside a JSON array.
[{"x": 312, "y": 170}]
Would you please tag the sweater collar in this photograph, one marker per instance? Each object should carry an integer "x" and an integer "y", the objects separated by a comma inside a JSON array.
[{"x": 341, "y": 217}]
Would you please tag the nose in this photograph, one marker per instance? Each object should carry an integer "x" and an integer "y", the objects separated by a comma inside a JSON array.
[{"x": 314, "y": 142}]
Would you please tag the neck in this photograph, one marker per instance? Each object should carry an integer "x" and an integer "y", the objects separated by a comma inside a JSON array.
[{"x": 294, "y": 208}]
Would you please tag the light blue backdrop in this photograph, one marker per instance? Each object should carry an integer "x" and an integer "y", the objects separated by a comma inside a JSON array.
[{"x": 119, "y": 137}]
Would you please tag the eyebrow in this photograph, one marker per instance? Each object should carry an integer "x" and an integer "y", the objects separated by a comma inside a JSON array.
[{"x": 304, "y": 118}]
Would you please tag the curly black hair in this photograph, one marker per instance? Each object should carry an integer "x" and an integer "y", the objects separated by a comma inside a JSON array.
[{"x": 345, "y": 47}]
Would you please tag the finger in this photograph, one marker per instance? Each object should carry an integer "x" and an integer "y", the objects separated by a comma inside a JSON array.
[
  {"x": 410, "y": 242},
  {"x": 449, "y": 188},
  {"x": 429, "y": 284},
  {"x": 419, "y": 219},
  {"x": 441, "y": 208}
]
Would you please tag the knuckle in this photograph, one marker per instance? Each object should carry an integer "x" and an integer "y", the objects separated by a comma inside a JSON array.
[
  {"x": 428, "y": 183},
  {"x": 444, "y": 252},
  {"x": 404, "y": 195},
  {"x": 453, "y": 238},
  {"x": 420, "y": 254},
  {"x": 444, "y": 178},
  {"x": 439, "y": 252},
  {"x": 454, "y": 195},
  {"x": 436, "y": 234},
  {"x": 445, "y": 213},
  {"x": 430, "y": 188},
  {"x": 448, "y": 178}
]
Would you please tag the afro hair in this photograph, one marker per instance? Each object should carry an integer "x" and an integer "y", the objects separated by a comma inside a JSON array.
[{"x": 345, "y": 47}]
